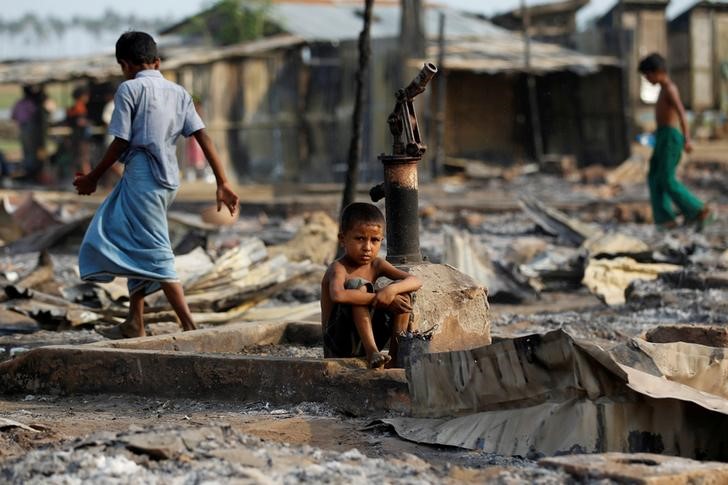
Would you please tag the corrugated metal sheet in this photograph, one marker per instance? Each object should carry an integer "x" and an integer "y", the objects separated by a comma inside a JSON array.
[
  {"x": 338, "y": 22},
  {"x": 503, "y": 6},
  {"x": 472, "y": 44},
  {"x": 506, "y": 53},
  {"x": 598, "y": 8},
  {"x": 105, "y": 66}
]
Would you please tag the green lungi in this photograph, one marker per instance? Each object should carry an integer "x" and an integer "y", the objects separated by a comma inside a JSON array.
[{"x": 665, "y": 189}]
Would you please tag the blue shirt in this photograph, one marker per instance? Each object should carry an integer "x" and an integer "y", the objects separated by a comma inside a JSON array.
[{"x": 151, "y": 113}]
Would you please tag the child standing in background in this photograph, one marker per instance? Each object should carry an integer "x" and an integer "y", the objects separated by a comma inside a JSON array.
[{"x": 670, "y": 141}]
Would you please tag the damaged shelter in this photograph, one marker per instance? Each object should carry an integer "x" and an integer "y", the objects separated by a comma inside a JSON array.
[
  {"x": 551, "y": 21},
  {"x": 292, "y": 108},
  {"x": 489, "y": 115},
  {"x": 698, "y": 60},
  {"x": 629, "y": 30},
  {"x": 279, "y": 107}
]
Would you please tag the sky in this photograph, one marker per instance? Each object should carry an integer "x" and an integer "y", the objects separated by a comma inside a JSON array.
[
  {"x": 175, "y": 9},
  {"x": 182, "y": 8},
  {"x": 92, "y": 8}
]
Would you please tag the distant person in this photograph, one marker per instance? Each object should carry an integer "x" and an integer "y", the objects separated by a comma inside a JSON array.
[
  {"x": 665, "y": 189},
  {"x": 356, "y": 319},
  {"x": 4, "y": 172},
  {"x": 25, "y": 113},
  {"x": 128, "y": 235},
  {"x": 106, "y": 113},
  {"x": 77, "y": 119},
  {"x": 46, "y": 107}
]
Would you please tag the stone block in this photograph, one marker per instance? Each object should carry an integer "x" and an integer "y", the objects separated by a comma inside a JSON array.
[
  {"x": 638, "y": 468},
  {"x": 454, "y": 304}
]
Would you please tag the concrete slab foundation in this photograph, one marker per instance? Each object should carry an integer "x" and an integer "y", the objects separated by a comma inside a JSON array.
[
  {"x": 211, "y": 363},
  {"x": 203, "y": 364},
  {"x": 226, "y": 338}
]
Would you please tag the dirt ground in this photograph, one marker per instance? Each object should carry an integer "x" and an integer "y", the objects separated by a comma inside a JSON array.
[
  {"x": 301, "y": 442},
  {"x": 96, "y": 438}
]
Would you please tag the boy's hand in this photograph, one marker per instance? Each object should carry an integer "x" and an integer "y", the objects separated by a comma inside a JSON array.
[
  {"x": 384, "y": 297},
  {"x": 226, "y": 196},
  {"x": 85, "y": 184},
  {"x": 688, "y": 146},
  {"x": 401, "y": 304}
]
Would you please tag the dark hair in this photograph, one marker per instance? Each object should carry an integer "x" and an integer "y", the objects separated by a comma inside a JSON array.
[
  {"x": 79, "y": 91},
  {"x": 652, "y": 63},
  {"x": 360, "y": 213},
  {"x": 136, "y": 48}
]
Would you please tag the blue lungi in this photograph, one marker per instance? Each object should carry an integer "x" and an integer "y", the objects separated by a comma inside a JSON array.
[{"x": 128, "y": 236}]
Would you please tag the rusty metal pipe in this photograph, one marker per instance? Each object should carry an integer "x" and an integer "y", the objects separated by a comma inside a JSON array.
[
  {"x": 402, "y": 209},
  {"x": 400, "y": 186},
  {"x": 420, "y": 81}
]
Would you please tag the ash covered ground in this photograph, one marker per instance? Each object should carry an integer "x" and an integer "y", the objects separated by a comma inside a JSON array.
[{"x": 536, "y": 286}]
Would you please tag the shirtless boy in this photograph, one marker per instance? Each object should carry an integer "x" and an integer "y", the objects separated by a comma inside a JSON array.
[
  {"x": 670, "y": 141},
  {"x": 356, "y": 319}
]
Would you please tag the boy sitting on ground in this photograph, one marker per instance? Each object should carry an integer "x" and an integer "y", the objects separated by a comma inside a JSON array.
[{"x": 356, "y": 319}]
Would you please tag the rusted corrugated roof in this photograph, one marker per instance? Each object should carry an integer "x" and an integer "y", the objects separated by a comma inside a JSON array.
[
  {"x": 340, "y": 20},
  {"x": 506, "y": 54},
  {"x": 105, "y": 66},
  {"x": 472, "y": 44}
]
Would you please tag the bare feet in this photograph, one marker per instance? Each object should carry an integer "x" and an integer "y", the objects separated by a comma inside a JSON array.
[
  {"x": 705, "y": 218},
  {"x": 378, "y": 360},
  {"x": 176, "y": 297},
  {"x": 185, "y": 325},
  {"x": 667, "y": 226},
  {"x": 131, "y": 328}
]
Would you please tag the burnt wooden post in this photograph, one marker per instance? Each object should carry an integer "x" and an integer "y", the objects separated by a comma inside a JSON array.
[
  {"x": 355, "y": 144},
  {"x": 400, "y": 187}
]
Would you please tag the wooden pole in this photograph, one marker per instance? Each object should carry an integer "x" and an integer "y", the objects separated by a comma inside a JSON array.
[
  {"x": 355, "y": 145},
  {"x": 439, "y": 159},
  {"x": 531, "y": 85}
]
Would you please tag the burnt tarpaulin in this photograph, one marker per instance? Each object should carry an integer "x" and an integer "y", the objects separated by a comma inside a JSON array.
[{"x": 550, "y": 394}]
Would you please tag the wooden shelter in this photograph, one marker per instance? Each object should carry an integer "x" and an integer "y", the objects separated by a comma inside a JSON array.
[
  {"x": 279, "y": 108},
  {"x": 549, "y": 22},
  {"x": 698, "y": 60},
  {"x": 630, "y": 30}
]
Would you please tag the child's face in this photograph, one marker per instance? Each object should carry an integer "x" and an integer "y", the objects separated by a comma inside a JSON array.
[
  {"x": 362, "y": 242},
  {"x": 652, "y": 77}
]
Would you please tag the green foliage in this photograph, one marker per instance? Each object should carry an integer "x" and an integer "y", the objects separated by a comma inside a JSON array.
[{"x": 231, "y": 21}]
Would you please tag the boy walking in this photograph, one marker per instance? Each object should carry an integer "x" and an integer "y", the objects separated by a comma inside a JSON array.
[
  {"x": 356, "y": 319},
  {"x": 128, "y": 235},
  {"x": 669, "y": 144}
]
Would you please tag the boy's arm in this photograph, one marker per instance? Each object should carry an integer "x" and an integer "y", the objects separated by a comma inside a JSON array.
[
  {"x": 339, "y": 294},
  {"x": 674, "y": 96},
  {"x": 404, "y": 283},
  {"x": 86, "y": 183},
  {"x": 225, "y": 194}
]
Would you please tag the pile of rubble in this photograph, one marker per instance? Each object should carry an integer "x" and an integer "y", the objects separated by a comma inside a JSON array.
[
  {"x": 228, "y": 275},
  {"x": 558, "y": 252}
]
